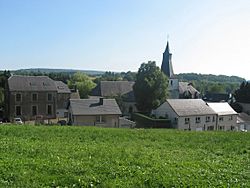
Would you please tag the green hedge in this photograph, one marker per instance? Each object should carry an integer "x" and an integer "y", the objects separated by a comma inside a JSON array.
[{"x": 143, "y": 121}]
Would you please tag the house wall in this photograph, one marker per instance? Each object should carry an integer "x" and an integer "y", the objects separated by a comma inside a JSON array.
[
  {"x": 26, "y": 104},
  {"x": 90, "y": 120},
  {"x": 203, "y": 124},
  {"x": 62, "y": 102},
  {"x": 228, "y": 122},
  {"x": 165, "y": 110}
]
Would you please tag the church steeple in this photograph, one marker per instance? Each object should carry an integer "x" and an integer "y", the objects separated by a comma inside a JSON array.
[{"x": 166, "y": 65}]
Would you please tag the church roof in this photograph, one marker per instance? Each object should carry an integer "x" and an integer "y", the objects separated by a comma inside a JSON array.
[{"x": 166, "y": 65}]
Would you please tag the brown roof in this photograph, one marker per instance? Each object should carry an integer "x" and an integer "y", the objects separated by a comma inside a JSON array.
[{"x": 190, "y": 107}]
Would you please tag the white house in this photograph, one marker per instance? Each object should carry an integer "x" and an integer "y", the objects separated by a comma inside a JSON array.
[
  {"x": 188, "y": 114},
  {"x": 226, "y": 116}
]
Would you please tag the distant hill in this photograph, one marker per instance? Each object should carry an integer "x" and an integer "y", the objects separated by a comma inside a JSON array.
[
  {"x": 189, "y": 77},
  {"x": 47, "y": 71}
]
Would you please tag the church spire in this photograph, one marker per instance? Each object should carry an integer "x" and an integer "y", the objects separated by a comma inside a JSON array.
[
  {"x": 167, "y": 48},
  {"x": 166, "y": 65}
]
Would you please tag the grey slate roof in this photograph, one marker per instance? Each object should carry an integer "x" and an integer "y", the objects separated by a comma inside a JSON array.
[
  {"x": 185, "y": 86},
  {"x": 222, "y": 108},
  {"x": 112, "y": 88},
  {"x": 243, "y": 117},
  {"x": 93, "y": 107},
  {"x": 190, "y": 107},
  {"x": 36, "y": 83},
  {"x": 62, "y": 87},
  {"x": 31, "y": 83}
]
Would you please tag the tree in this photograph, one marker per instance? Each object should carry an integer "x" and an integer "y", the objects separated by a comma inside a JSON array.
[
  {"x": 83, "y": 83},
  {"x": 243, "y": 93},
  {"x": 150, "y": 88}
]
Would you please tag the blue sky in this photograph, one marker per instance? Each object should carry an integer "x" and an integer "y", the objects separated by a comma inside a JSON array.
[{"x": 211, "y": 36}]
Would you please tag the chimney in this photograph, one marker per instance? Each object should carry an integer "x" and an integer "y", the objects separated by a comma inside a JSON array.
[{"x": 101, "y": 100}]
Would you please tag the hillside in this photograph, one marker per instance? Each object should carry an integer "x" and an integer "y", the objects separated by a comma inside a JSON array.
[
  {"x": 52, "y": 156},
  {"x": 47, "y": 71},
  {"x": 210, "y": 78}
]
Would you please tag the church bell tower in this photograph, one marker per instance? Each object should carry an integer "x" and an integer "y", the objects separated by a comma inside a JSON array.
[{"x": 167, "y": 69}]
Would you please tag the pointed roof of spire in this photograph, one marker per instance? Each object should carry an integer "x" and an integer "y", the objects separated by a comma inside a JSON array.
[{"x": 167, "y": 47}]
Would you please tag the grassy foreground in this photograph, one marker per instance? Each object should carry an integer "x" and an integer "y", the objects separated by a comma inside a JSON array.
[{"x": 39, "y": 156}]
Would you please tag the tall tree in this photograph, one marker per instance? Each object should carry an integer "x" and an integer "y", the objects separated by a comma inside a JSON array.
[
  {"x": 150, "y": 88},
  {"x": 243, "y": 93},
  {"x": 83, "y": 83}
]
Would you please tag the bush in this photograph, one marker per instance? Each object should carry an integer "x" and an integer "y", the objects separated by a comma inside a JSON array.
[{"x": 143, "y": 121}]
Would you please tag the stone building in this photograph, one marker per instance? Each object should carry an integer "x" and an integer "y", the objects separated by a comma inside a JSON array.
[{"x": 30, "y": 97}]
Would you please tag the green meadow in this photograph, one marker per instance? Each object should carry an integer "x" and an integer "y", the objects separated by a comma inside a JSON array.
[{"x": 54, "y": 156}]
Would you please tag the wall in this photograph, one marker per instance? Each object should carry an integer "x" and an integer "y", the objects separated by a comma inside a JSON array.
[
  {"x": 166, "y": 111},
  {"x": 228, "y": 122},
  {"x": 26, "y": 104},
  {"x": 90, "y": 120},
  {"x": 192, "y": 125}
]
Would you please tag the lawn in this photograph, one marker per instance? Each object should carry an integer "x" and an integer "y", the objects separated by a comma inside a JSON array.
[{"x": 53, "y": 156}]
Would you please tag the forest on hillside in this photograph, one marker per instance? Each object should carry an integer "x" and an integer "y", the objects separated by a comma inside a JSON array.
[{"x": 212, "y": 83}]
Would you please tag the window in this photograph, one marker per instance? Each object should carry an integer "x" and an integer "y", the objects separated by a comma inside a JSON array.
[
  {"x": 213, "y": 118},
  {"x": 65, "y": 114},
  {"x": 221, "y": 118},
  {"x": 34, "y": 97},
  {"x": 208, "y": 119},
  {"x": 18, "y": 97},
  {"x": 230, "y": 118},
  {"x": 100, "y": 119},
  {"x": 34, "y": 110},
  {"x": 49, "y": 109},
  {"x": 210, "y": 128},
  {"x": 49, "y": 97},
  {"x": 197, "y": 120},
  {"x": 232, "y": 128},
  {"x": 221, "y": 127},
  {"x": 187, "y": 120},
  {"x": 18, "y": 111}
]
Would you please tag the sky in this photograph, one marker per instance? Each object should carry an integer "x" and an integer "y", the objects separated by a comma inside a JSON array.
[{"x": 205, "y": 36}]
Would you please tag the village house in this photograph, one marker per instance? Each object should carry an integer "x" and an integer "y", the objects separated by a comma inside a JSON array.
[
  {"x": 94, "y": 112},
  {"x": 226, "y": 116},
  {"x": 32, "y": 97},
  {"x": 119, "y": 89},
  {"x": 187, "y": 114}
]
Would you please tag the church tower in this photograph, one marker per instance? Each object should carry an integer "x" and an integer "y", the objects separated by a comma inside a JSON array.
[
  {"x": 166, "y": 65},
  {"x": 167, "y": 69}
]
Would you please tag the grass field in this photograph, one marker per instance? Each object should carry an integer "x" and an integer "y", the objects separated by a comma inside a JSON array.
[{"x": 39, "y": 156}]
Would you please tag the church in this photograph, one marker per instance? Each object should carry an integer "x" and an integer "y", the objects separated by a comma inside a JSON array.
[{"x": 177, "y": 89}]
